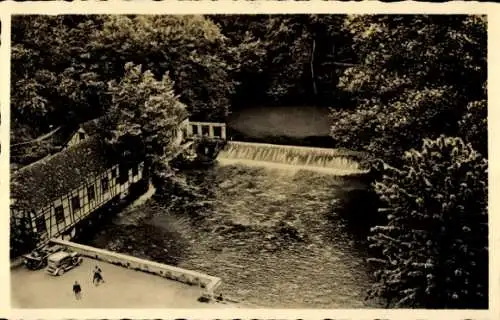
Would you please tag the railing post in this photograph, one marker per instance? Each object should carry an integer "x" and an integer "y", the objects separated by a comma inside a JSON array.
[{"x": 223, "y": 132}]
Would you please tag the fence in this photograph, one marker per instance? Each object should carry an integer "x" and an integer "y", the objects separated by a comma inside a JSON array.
[{"x": 209, "y": 129}]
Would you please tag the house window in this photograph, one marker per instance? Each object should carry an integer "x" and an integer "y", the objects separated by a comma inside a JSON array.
[
  {"x": 91, "y": 192},
  {"x": 114, "y": 173},
  {"x": 105, "y": 184},
  {"x": 123, "y": 174},
  {"x": 59, "y": 213},
  {"x": 75, "y": 203},
  {"x": 195, "y": 130},
  {"x": 41, "y": 227},
  {"x": 135, "y": 170},
  {"x": 81, "y": 135}
]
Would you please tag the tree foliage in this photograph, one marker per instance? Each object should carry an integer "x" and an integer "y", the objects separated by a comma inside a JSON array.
[
  {"x": 415, "y": 78},
  {"x": 474, "y": 125},
  {"x": 189, "y": 48},
  {"x": 145, "y": 111},
  {"x": 286, "y": 59},
  {"x": 61, "y": 65},
  {"x": 51, "y": 83},
  {"x": 433, "y": 248}
]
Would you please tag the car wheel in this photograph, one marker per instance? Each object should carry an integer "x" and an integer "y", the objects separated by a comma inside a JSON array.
[{"x": 60, "y": 272}]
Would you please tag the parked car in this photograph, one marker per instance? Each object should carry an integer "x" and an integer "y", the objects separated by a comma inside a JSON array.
[
  {"x": 60, "y": 262},
  {"x": 37, "y": 259}
]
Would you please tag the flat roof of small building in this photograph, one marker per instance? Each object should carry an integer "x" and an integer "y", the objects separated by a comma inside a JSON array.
[{"x": 123, "y": 288}]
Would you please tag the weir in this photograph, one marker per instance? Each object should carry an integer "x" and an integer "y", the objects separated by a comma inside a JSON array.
[{"x": 333, "y": 160}]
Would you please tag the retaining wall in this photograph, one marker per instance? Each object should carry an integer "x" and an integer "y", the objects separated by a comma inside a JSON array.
[{"x": 208, "y": 283}]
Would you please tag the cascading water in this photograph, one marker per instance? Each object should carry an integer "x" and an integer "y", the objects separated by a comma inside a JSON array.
[{"x": 332, "y": 161}]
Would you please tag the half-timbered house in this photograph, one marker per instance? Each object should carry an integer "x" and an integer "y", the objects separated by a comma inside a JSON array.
[{"x": 57, "y": 192}]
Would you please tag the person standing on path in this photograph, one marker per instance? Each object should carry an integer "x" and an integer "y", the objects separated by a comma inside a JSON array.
[
  {"x": 77, "y": 289},
  {"x": 97, "y": 276}
]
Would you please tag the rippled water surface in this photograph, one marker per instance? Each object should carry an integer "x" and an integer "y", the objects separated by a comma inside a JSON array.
[{"x": 271, "y": 234}]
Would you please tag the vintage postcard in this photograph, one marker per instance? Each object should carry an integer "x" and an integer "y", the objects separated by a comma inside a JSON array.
[{"x": 206, "y": 160}]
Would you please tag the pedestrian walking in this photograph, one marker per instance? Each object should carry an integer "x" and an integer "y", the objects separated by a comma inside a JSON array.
[
  {"x": 97, "y": 279},
  {"x": 77, "y": 290}
]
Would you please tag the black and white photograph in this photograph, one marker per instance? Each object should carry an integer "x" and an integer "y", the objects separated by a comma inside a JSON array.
[{"x": 275, "y": 161}]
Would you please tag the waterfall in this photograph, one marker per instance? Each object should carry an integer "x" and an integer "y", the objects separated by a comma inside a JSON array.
[{"x": 323, "y": 159}]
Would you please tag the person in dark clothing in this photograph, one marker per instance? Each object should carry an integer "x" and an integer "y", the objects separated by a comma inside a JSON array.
[
  {"x": 97, "y": 276},
  {"x": 77, "y": 289}
]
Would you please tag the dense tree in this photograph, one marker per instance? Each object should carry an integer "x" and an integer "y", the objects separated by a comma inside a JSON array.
[
  {"x": 434, "y": 246},
  {"x": 415, "y": 78},
  {"x": 190, "y": 48},
  {"x": 144, "y": 113},
  {"x": 50, "y": 84},
  {"x": 61, "y": 65},
  {"x": 286, "y": 59}
]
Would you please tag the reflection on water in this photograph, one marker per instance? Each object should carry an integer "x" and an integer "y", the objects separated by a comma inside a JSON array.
[{"x": 269, "y": 233}]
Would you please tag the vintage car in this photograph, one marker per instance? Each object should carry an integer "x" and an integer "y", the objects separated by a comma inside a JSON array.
[
  {"x": 37, "y": 259},
  {"x": 62, "y": 261}
]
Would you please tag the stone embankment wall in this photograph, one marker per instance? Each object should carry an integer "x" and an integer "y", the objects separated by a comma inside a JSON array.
[{"x": 208, "y": 283}]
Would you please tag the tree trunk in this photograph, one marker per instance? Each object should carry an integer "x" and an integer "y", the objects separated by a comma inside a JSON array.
[{"x": 315, "y": 89}]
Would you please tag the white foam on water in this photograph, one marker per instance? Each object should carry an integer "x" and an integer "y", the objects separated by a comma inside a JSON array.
[{"x": 328, "y": 161}]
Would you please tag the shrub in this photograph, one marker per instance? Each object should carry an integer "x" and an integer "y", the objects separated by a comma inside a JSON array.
[{"x": 433, "y": 245}]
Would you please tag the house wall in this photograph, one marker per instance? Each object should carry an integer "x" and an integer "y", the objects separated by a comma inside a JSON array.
[{"x": 72, "y": 214}]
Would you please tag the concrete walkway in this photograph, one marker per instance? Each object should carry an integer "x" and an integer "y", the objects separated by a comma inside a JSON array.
[{"x": 123, "y": 288}]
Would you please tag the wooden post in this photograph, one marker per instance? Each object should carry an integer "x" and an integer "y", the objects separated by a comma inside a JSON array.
[
  {"x": 200, "y": 131},
  {"x": 210, "y": 131},
  {"x": 189, "y": 129}
]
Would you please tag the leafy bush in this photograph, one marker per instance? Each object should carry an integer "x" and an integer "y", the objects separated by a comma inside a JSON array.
[{"x": 433, "y": 247}]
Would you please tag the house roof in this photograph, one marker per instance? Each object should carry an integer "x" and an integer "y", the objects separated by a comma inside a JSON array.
[{"x": 41, "y": 182}]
